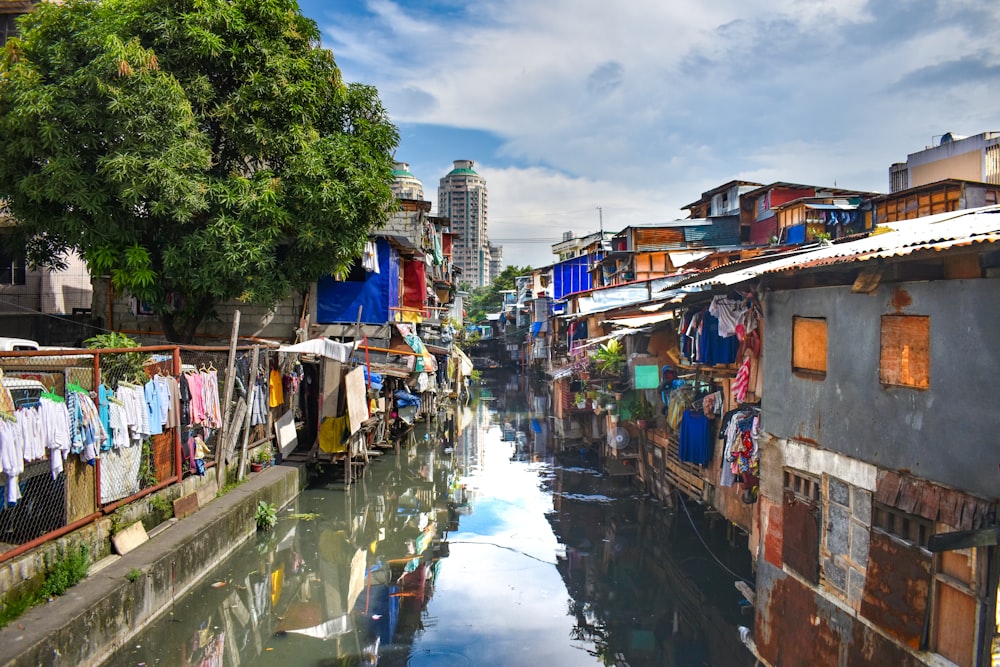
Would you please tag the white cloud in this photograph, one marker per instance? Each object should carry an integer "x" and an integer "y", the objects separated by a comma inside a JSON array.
[{"x": 641, "y": 106}]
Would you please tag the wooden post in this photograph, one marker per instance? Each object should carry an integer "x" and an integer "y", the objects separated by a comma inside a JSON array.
[
  {"x": 220, "y": 452},
  {"x": 252, "y": 382}
]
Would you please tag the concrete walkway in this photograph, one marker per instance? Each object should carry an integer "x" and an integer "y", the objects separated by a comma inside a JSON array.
[{"x": 105, "y": 610}]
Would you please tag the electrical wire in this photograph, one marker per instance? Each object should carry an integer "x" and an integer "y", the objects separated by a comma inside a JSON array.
[
  {"x": 704, "y": 544},
  {"x": 61, "y": 318}
]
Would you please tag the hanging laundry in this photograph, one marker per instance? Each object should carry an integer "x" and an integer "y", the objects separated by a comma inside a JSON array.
[
  {"x": 196, "y": 382},
  {"x": 729, "y": 313},
  {"x": 86, "y": 431},
  {"x": 153, "y": 397},
  {"x": 55, "y": 417},
  {"x": 277, "y": 392},
  {"x": 11, "y": 458},
  {"x": 210, "y": 395},
  {"x": 694, "y": 438},
  {"x": 369, "y": 258}
]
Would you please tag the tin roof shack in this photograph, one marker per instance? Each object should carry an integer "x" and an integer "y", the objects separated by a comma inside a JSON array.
[
  {"x": 758, "y": 208},
  {"x": 654, "y": 251},
  {"x": 950, "y": 194},
  {"x": 878, "y": 459}
]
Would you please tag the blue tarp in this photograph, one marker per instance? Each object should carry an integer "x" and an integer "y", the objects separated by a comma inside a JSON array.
[
  {"x": 570, "y": 277},
  {"x": 795, "y": 234},
  {"x": 375, "y": 379},
  {"x": 404, "y": 399},
  {"x": 376, "y": 295}
]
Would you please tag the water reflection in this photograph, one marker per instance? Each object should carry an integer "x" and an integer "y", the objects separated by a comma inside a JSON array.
[{"x": 475, "y": 545}]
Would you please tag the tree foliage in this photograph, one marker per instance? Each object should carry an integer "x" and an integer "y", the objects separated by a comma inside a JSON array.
[
  {"x": 194, "y": 151},
  {"x": 488, "y": 298}
]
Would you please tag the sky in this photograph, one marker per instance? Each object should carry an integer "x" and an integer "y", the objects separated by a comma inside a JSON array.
[{"x": 583, "y": 113}]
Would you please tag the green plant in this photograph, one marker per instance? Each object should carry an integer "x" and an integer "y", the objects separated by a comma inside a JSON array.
[
  {"x": 117, "y": 518},
  {"x": 266, "y": 515},
  {"x": 162, "y": 505},
  {"x": 147, "y": 466},
  {"x": 610, "y": 357},
  {"x": 262, "y": 455},
  {"x": 579, "y": 398},
  {"x": 134, "y": 574},
  {"x": 118, "y": 366},
  {"x": 641, "y": 409},
  {"x": 68, "y": 568}
]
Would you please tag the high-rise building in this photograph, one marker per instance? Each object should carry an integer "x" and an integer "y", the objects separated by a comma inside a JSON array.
[
  {"x": 404, "y": 184},
  {"x": 496, "y": 261},
  {"x": 462, "y": 199}
]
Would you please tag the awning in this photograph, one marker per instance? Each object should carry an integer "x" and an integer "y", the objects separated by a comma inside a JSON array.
[
  {"x": 832, "y": 207},
  {"x": 641, "y": 320},
  {"x": 323, "y": 347}
]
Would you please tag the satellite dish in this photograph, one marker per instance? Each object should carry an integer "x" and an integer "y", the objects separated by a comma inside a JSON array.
[{"x": 620, "y": 438}]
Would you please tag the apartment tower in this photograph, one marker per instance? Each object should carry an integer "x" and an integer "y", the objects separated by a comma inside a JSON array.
[{"x": 462, "y": 199}]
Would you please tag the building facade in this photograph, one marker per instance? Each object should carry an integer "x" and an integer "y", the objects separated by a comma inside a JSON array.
[
  {"x": 975, "y": 158},
  {"x": 462, "y": 198}
]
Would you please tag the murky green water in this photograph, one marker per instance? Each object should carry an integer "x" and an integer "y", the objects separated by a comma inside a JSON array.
[{"x": 467, "y": 551}]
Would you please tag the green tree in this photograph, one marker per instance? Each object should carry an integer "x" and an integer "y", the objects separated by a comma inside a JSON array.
[
  {"x": 488, "y": 298},
  {"x": 195, "y": 151}
]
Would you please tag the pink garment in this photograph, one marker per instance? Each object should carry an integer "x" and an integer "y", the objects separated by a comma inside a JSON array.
[
  {"x": 196, "y": 386},
  {"x": 210, "y": 389},
  {"x": 742, "y": 382}
]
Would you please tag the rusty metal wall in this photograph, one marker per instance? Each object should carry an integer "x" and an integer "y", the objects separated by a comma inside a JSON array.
[
  {"x": 897, "y": 428},
  {"x": 796, "y": 626}
]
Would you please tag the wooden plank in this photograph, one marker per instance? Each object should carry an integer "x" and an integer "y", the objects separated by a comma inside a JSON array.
[
  {"x": 887, "y": 488},
  {"x": 964, "y": 539},
  {"x": 186, "y": 505},
  {"x": 909, "y": 494},
  {"x": 130, "y": 538},
  {"x": 809, "y": 344}
]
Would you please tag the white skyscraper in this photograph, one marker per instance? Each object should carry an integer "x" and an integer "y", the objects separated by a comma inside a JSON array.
[
  {"x": 405, "y": 185},
  {"x": 462, "y": 199}
]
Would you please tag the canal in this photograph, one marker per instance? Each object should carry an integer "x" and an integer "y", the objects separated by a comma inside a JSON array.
[{"x": 476, "y": 545}]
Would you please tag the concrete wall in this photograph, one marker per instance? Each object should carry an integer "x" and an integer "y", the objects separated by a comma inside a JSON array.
[
  {"x": 278, "y": 323},
  {"x": 944, "y": 433},
  {"x": 105, "y": 610}
]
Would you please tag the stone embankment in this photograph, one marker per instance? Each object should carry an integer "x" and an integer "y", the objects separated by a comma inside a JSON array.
[{"x": 105, "y": 610}]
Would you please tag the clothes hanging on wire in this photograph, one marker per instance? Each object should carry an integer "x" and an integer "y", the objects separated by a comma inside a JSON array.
[{"x": 694, "y": 438}]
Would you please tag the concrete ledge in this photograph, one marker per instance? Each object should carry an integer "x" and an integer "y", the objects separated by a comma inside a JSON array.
[{"x": 104, "y": 611}]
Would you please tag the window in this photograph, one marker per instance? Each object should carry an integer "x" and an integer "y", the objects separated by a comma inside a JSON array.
[
  {"x": 910, "y": 528},
  {"x": 803, "y": 486},
  {"x": 12, "y": 270},
  {"x": 809, "y": 346},
  {"x": 953, "y": 625},
  {"x": 801, "y": 526},
  {"x": 905, "y": 355}
]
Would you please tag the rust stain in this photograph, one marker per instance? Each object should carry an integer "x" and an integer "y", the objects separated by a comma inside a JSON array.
[
  {"x": 896, "y": 587},
  {"x": 901, "y": 299},
  {"x": 798, "y": 632},
  {"x": 808, "y": 441}
]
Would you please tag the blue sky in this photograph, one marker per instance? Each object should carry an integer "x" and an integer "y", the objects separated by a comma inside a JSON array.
[{"x": 639, "y": 107}]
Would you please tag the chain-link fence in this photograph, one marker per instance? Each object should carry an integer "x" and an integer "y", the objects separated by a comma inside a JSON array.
[{"x": 84, "y": 431}]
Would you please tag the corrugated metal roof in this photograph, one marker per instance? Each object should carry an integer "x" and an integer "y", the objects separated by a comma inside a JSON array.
[{"x": 934, "y": 233}]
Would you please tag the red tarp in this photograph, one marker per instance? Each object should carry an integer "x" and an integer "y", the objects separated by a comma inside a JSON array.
[{"x": 414, "y": 286}]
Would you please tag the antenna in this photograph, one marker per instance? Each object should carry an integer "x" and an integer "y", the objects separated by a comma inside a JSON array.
[{"x": 600, "y": 214}]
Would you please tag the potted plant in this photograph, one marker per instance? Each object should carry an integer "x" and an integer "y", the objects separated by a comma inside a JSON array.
[
  {"x": 610, "y": 357},
  {"x": 261, "y": 459},
  {"x": 642, "y": 411},
  {"x": 580, "y": 399}
]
